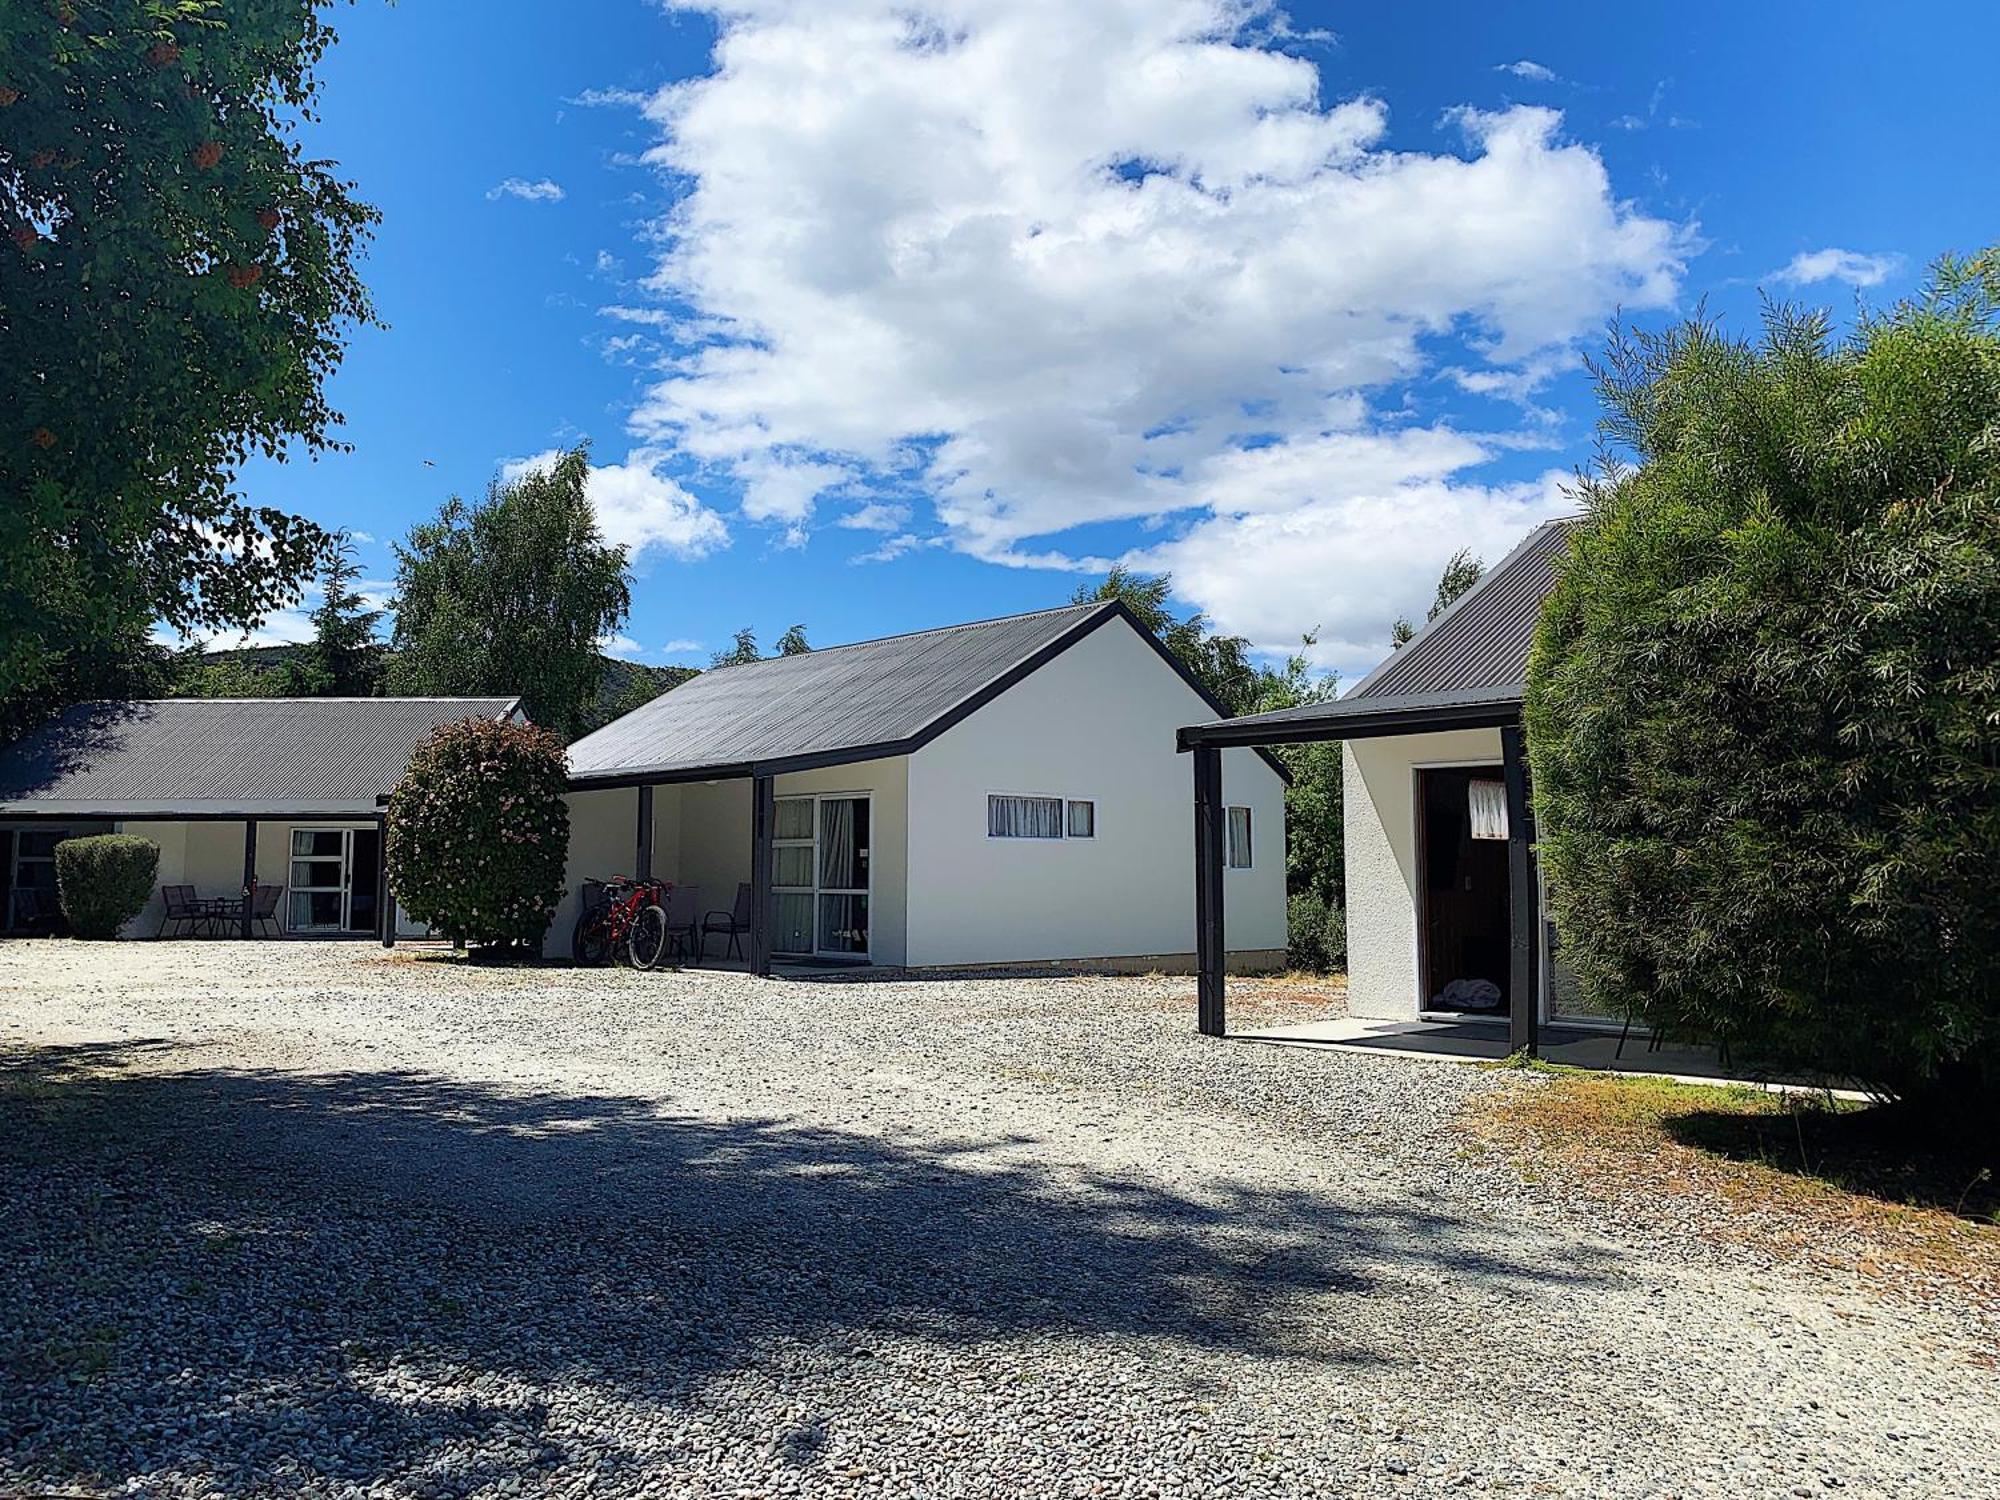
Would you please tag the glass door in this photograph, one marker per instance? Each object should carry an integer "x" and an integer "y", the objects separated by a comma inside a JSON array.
[
  {"x": 792, "y": 864},
  {"x": 820, "y": 875},
  {"x": 843, "y": 876},
  {"x": 322, "y": 861}
]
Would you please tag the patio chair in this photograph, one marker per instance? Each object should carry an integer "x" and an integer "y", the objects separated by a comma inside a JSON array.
[
  {"x": 182, "y": 907},
  {"x": 34, "y": 911},
  {"x": 264, "y": 907},
  {"x": 683, "y": 905},
  {"x": 731, "y": 924}
]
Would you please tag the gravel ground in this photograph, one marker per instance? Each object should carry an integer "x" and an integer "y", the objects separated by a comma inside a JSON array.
[{"x": 313, "y": 1219}]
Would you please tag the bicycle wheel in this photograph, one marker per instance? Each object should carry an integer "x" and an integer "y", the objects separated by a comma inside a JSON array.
[
  {"x": 646, "y": 941},
  {"x": 590, "y": 943}
]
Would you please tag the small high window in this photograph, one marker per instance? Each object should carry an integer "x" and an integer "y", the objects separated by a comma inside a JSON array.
[
  {"x": 1083, "y": 820},
  {"x": 1024, "y": 817}
]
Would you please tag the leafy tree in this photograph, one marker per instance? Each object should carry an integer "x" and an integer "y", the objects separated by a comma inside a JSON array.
[
  {"x": 1764, "y": 699},
  {"x": 741, "y": 653},
  {"x": 512, "y": 596},
  {"x": 176, "y": 282},
  {"x": 344, "y": 653},
  {"x": 235, "y": 677},
  {"x": 642, "y": 685},
  {"x": 1314, "y": 857},
  {"x": 1461, "y": 571},
  {"x": 1220, "y": 663},
  {"x": 793, "y": 642},
  {"x": 478, "y": 832}
]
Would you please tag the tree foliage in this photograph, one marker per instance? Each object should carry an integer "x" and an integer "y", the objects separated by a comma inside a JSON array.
[
  {"x": 1764, "y": 701},
  {"x": 478, "y": 832},
  {"x": 512, "y": 596},
  {"x": 1461, "y": 571},
  {"x": 104, "y": 881},
  {"x": 176, "y": 283},
  {"x": 742, "y": 651},
  {"x": 345, "y": 657},
  {"x": 793, "y": 642}
]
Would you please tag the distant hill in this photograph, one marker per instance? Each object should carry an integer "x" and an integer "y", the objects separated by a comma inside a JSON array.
[{"x": 625, "y": 685}]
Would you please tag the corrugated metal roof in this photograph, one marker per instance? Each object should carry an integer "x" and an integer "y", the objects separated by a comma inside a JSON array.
[
  {"x": 213, "y": 755},
  {"x": 1482, "y": 640},
  {"x": 869, "y": 696}
]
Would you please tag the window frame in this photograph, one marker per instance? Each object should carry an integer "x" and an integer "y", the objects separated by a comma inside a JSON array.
[
  {"x": 1230, "y": 848},
  {"x": 1063, "y": 801},
  {"x": 1070, "y": 805}
]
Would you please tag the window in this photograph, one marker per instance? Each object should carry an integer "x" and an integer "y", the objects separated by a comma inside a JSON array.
[
  {"x": 1239, "y": 838},
  {"x": 1083, "y": 820},
  {"x": 1487, "y": 805},
  {"x": 1024, "y": 817}
]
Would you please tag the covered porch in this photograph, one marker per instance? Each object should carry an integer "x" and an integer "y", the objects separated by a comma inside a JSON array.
[
  {"x": 774, "y": 868},
  {"x": 1521, "y": 935}
]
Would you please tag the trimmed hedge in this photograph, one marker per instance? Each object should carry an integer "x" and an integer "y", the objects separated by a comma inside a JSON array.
[
  {"x": 104, "y": 881},
  {"x": 479, "y": 832}
]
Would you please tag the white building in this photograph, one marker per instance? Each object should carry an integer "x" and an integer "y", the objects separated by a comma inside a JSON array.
[
  {"x": 999, "y": 792},
  {"x": 240, "y": 794}
]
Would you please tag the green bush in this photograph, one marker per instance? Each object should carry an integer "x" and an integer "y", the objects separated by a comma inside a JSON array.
[
  {"x": 1318, "y": 928},
  {"x": 479, "y": 832},
  {"x": 104, "y": 881},
  {"x": 1764, "y": 699}
]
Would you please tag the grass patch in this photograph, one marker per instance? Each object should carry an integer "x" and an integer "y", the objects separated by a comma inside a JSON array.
[{"x": 1804, "y": 1178}]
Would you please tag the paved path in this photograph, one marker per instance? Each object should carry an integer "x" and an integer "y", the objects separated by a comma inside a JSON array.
[{"x": 314, "y": 1219}]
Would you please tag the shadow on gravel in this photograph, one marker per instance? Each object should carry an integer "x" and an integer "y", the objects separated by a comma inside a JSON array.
[{"x": 208, "y": 1270}]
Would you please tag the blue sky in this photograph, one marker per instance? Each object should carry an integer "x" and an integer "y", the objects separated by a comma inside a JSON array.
[{"x": 877, "y": 322}]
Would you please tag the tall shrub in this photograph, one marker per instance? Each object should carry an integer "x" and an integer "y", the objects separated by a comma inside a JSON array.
[
  {"x": 1764, "y": 701},
  {"x": 479, "y": 832},
  {"x": 104, "y": 881}
]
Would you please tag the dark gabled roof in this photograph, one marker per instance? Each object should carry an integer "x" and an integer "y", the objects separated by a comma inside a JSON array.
[
  {"x": 1466, "y": 669},
  {"x": 837, "y": 704},
  {"x": 1481, "y": 641},
  {"x": 211, "y": 757}
]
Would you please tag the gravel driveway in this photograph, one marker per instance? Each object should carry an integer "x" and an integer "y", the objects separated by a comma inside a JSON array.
[{"x": 315, "y": 1219}]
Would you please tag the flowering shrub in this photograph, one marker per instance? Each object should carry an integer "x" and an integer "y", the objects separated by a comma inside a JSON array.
[{"x": 479, "y": 832}]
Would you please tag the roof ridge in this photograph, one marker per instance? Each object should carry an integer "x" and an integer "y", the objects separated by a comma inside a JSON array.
[
  {"x": 316, "y": 698},
  {"x": 904, "y": 635}
]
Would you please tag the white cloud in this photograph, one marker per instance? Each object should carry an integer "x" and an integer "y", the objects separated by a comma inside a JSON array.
[
  {"x": 542, "y": 191},
  {"x": 1850, "y": 266},
  {"x": 1533, "y": 71},
  {"x": 875, "y": 516},
  {"x": 890, "y": 550},
  {"x": 639, "y": 506},
  {"x": 282, "y": 627},
  {"x": 620, "y": 645},
  {"x": 679, "y": 646},
  {"x": 1061, "y": 262},
  {"x": 363, "y": 537}
]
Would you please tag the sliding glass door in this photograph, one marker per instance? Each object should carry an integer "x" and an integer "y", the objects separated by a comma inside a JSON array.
[
  {"x": 333, "y": 880},
  {"x": 820, "y": 876}
]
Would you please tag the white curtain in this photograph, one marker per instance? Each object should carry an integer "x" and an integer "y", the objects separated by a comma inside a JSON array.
[
  {"x": 1024, "y": 817},
  {"x": 836, "y": 843},
  {"x": 1488, "y": 806}
]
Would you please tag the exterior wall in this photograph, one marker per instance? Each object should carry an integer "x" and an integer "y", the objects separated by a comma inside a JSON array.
[
  {"x": 603, "y": 840},
  {"x": 1097, "y": 722},
  {"x": 8, "y": 828},
  {"x": 1379, "y": 791}
]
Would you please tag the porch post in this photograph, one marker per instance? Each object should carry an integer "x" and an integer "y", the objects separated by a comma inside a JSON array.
[
  {"x": 642, "y": 866},
  {"x": 385, "y": 903},
  {"x": 1524, "y": 1014},
  {"x": 249, "y": 873},
  {"x": 763, "y": 818},
  {"x": 1208, "y": 926}
]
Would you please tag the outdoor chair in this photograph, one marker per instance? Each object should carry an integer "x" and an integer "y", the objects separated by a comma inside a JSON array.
[
  {"x": 264, "y": 907},
  {"x": 731, "y": 924},
  {"x": 683, "y": 906},
  {"x": 34, "y": 912},
  {"x": 181, "y": 907}
]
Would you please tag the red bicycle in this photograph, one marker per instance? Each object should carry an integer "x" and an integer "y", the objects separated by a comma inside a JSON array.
[{"x": 622, "y": 918}]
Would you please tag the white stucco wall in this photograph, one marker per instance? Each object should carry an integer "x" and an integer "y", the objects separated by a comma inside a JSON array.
[
  {"x": 1098, "y": 723},
  {"x": 1379, "y": 798}
]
